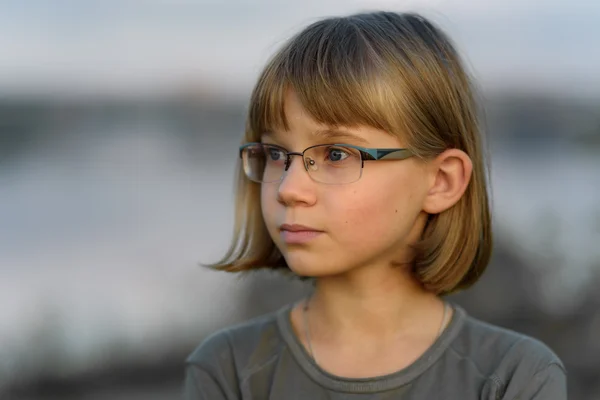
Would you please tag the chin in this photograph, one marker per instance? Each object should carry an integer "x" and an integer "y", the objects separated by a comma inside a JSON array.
[{"x": 304, "y": 267}]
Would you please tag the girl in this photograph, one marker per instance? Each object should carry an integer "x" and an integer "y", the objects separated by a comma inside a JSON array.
[{"x": 363, "y": 171}]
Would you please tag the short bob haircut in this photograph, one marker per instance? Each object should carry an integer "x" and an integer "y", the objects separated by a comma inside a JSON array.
[{"x": 396, "y": 72}]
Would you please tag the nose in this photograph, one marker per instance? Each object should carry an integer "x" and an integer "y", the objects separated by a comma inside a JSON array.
[{"x": 296, "y": 186}]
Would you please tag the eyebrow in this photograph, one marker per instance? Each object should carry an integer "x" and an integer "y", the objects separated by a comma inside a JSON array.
[{"x": 334, "y": 135}]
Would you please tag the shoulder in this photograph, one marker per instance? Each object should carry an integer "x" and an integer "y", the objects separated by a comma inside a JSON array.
[
  {"x": 216, "y": 367},
  {"x": 509, "y": 360},
  {"x": 238, "y": 344},
  {"x": 502, "y": 346}
]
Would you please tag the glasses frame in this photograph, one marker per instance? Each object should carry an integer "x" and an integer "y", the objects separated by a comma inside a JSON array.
[{"x": 366, "y": 154}]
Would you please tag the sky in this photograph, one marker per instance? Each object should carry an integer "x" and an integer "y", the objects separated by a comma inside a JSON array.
[{"x": 153, "y": 46}]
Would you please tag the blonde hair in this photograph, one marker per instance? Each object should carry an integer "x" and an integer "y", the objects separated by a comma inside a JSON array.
[{"x": 395, "y": 72}]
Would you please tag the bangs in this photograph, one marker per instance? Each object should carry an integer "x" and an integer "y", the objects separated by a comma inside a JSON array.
[{"x": 338, "y": 75}]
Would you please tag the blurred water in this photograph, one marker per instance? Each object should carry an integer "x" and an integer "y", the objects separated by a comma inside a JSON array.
[
  {"x": 547, "y": 206},
  {"x": 99, "y": 244}
]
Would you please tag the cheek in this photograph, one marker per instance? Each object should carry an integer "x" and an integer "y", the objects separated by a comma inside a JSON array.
[
  {"x": 375, "y": 213},
  {"x": 269, "y": 204}
]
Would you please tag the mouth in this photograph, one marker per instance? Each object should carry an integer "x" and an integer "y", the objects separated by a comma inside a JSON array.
[
  {"x": 298, "y": 234},
  {"x": 297, "y": 228}
]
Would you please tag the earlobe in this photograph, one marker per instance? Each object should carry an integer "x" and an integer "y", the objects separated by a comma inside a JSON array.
[{"x": 451, "y": 172}]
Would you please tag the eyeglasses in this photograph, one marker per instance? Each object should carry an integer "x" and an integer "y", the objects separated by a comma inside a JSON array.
[{"x": 325, "y": 163}]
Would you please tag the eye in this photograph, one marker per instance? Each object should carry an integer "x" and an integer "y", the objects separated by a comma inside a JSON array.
[
  {"x": 336, "y": 154},
  {"x": 275, "y": 154}
]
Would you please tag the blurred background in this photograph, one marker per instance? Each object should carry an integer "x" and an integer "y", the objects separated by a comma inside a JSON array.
[{"x": 119, "y": 127}]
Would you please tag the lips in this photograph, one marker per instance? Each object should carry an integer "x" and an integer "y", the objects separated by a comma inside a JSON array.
[
  {"x": 297, "y": 228},
  {"x": 298, "y": 234}
]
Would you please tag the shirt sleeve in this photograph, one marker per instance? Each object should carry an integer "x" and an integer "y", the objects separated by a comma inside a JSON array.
[
  {"x": 549, "y": 383},
  {"x": 200, "y": 385}
]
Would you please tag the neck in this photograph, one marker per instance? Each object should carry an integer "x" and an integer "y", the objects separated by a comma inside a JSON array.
[{"x": 384, "y": 303}]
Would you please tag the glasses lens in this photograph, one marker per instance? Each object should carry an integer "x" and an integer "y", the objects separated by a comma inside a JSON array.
[
  {"x": 263, "y": 163},
  {"x": 333, "y": 164}
]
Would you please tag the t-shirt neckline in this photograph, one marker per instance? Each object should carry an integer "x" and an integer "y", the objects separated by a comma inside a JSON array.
[{"x": 373, "y": 384}]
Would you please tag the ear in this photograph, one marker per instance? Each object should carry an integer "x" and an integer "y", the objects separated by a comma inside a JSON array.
[{"x": 450, "y": 175}]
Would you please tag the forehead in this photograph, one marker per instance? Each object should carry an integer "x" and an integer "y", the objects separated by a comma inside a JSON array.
[{"x": 328, "y": 135}]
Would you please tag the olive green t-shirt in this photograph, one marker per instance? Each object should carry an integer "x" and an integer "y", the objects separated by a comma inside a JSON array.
[{"x": 263, "y": 359}]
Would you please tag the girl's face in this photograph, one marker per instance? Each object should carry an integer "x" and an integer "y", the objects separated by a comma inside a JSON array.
[{"x": 367, "y": 222}]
